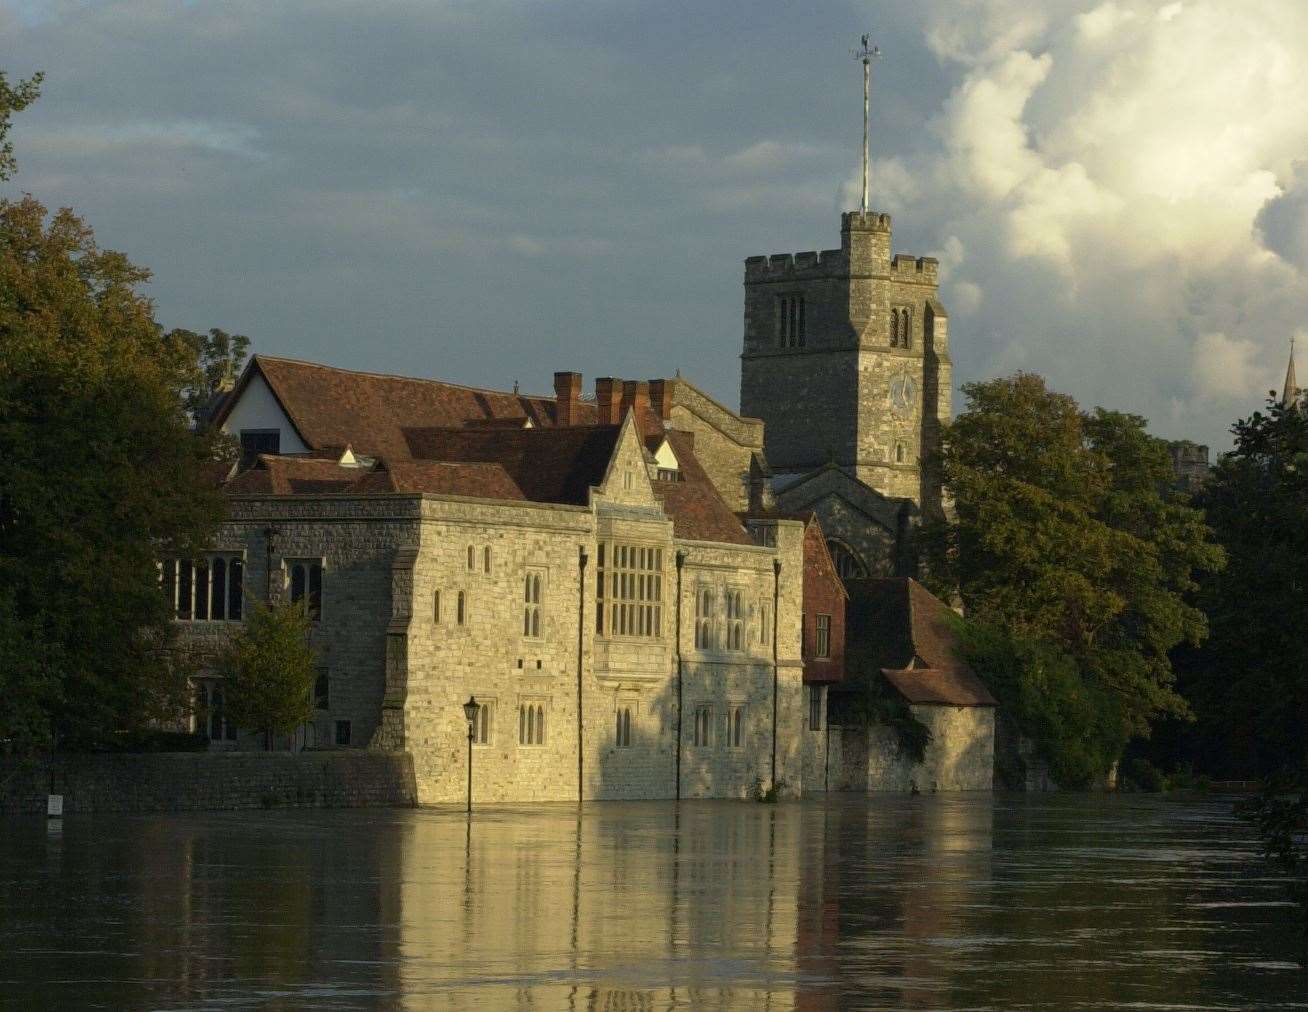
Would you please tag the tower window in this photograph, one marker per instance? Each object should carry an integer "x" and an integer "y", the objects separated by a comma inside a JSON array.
[
  {"x": 901, "y": 327},
  {"x": 792, "y": 331}
]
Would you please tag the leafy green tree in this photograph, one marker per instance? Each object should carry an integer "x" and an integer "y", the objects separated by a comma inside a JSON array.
[
  {"x": 14, "y": 98},
  {"x": 1062, "y": 534},
  {"x": 217, "y": 359},
  {"x": 269, "y": 669},
  {"x": 1249, "y": 682},
  {"x": 100, "y": 477}
]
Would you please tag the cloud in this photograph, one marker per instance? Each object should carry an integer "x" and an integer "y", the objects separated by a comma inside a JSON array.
[
  {"x": 487, "y": 190},
  {"x": 1227, "y": 369}
]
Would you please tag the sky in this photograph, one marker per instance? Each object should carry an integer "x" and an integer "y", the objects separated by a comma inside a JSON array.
[{"x": 490, "y": 191}]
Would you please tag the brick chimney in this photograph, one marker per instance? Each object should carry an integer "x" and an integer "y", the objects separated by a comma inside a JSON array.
[
  {"x": 608, "y": 400},
  {"x": 635, "y": 397},
  {"x": 660, "y": 397},
  {"x": 567, "y": 392}
]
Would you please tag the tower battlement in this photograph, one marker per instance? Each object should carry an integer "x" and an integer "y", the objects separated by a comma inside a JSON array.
[
  {"x": 910, "y": 268},
  {"x": 865, "y": 221},
  {"x": 788, "y": 266}
]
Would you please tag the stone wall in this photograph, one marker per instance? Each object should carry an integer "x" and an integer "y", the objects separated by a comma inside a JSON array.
[
  {"x": 960, "y": 756},
  {"x": 210, "y": 781}
]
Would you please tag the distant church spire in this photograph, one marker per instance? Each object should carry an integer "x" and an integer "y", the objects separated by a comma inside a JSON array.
[
  {"x": 867, "y": 54},
  {"x": 1291, "y": 392}
]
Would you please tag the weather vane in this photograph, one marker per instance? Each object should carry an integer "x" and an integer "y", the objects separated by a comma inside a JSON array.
[{"x": 867, "y": 53}]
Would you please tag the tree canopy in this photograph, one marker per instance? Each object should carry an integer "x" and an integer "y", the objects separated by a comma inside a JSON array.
[
  {"x": 1063, "y": 536},
  {"x": 269, "y": 669},
  {"x": 101, "y": 476},
  {"x": 13, "y": 98},
  {"x": 1249, "y": 682}
]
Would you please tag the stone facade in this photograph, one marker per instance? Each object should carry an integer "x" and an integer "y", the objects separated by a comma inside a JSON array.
[
  {"x": 725, "y": 641},
  {"x": 858, "y": 375},
  {"x": 959, "y": 757}
]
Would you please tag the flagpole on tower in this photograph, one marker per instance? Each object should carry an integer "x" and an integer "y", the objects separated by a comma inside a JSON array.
[{"x": 867, "y": 54}]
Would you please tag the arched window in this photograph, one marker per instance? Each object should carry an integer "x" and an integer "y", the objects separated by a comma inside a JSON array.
[
  {"x": 894, "y": 328},
  {"x": 735, "y": 620},
  {"x": 906, "y": 329},
  {"x": 531, "y": 724},
  {"x": 462, "y": 609},
  {"x": 306, "y": 585},
  {"x": 481, "y": 728},
  {"x": 485, "y": 559},
  {"x": 436, "y": 607},
  {"x": 704, "y": 727},
  {"x": 704, "y": 620},
  {"x": 531, "y": 606},
  {"x": 472, "y": 559},
  {"x": 624, "y": 727},
  {"x": 848, "y": 565},
  {"x": 322, "y": 691},
  {"x": 736, "y": 727}
]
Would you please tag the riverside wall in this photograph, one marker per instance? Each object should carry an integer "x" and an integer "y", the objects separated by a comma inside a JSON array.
[{"x": 209, "y": 781}]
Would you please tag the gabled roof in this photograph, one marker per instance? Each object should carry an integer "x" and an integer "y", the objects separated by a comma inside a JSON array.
[
  {"x": 369, "y": 411},
  {"x": 698, "y": 511},
  {"x": 896, "y": 626}
]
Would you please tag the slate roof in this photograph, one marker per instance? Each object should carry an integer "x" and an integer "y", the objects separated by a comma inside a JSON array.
[
  {"x": 896, "y": 626},
  {"x": 369, "y": 411}
]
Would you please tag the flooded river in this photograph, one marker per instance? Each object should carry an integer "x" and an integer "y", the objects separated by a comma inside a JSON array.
[{"x": 896, "y": 903}]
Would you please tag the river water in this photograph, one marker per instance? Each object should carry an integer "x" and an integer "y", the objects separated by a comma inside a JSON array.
[{"x": 932, "y": 902}]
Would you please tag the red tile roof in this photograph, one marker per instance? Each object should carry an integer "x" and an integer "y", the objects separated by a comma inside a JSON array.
[
  {"x": 697, "y": 510},
  {"x": 896, "y": 626},
  {"x": 368, "y": 411},
  {"x": 546, "y": 465},
  {"x": 275, "y": 475}
]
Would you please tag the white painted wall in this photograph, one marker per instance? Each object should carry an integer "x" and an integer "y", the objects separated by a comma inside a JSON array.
[{"x": 258, "y": 409}]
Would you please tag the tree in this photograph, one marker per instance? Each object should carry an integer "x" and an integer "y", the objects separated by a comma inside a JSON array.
[
  {"x": 1249, "y": 682},
  {"x": 269, "y": 668},
  {"x": 217, "y": 359},
  {"x": 14, "y": 98},
  {"x": 1064, "y": 538},
  {"x": 100, "y": 477}
]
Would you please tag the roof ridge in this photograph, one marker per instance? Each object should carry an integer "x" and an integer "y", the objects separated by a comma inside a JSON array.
[{"x": 397, "y": 376}]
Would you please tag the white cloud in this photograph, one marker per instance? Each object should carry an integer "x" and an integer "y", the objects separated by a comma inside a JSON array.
[
  {"x": 1126, "y": 180},
  {"x": 1229, "y": 369}
]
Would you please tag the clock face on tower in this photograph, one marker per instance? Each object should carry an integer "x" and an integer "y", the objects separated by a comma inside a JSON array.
[{"x": 903, "y": 393}]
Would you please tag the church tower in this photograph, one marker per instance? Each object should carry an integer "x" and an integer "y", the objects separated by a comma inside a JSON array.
[{"x": 846, "y": 360}]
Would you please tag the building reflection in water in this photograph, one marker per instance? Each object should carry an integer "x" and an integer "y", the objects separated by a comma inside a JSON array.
[{"x": 635, "y": 906}]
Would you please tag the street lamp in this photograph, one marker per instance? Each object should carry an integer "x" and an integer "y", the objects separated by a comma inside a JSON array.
[{"x": 470, "y": 709}]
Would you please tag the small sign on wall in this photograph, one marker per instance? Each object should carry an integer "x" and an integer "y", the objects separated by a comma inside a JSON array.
[{"x": 54, "y": 806}]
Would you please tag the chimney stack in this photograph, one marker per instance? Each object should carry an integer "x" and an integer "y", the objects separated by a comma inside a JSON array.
[
  {"x": 608, "y": 400},
  {"x": 567, "y": 392},
  {"x": 660, "y": 397},
  {"x": 635, "y": 397}
]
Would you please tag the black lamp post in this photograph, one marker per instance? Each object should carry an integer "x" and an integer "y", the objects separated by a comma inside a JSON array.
[{"x": 470, "y": 709}]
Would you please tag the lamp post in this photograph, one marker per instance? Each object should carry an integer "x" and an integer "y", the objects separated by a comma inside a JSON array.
[{"x": 470, "y": 709}]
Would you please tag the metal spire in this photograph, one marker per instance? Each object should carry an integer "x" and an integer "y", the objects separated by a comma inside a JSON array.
[{"x": 867, "y": 54}]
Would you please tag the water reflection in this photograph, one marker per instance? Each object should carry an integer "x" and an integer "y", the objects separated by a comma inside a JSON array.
[{"x": 880, "y": 903}]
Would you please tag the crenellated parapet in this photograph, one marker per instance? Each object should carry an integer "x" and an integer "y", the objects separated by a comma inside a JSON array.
[
  {"x": 865, "y": 221},
  {"x": 795, "y": 266},
  {"x": 907, "y": 267}
]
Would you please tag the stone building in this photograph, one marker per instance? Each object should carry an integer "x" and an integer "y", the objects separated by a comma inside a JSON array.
[
  {"x": 846, "y": 362},
  {"x": 578, "y": 566},
  {"x": 903, "y": 636}
]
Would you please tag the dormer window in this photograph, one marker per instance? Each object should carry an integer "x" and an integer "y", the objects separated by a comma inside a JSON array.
[
  {"x": 666, "y": 466},
  {"x": 792, "y": 331},
  {"x": 257, "y": 441}
]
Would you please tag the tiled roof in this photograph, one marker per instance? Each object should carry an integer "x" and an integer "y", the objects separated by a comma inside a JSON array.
[
  {"x": 896, "y": 626},
  {"x": 546, "y": 465},
  {"x": 698, "y": 512},
  {"x": 478, "y": 480},
  {"x": 369, "y": 411},
  {"x": 947, "y": 687},
  {"x": 274, "y": 475}
]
